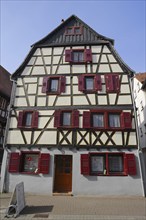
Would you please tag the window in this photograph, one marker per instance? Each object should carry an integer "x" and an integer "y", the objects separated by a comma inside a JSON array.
[
  {"x": 78, "y": 56},
  {"x": 114, "y": 120},
  {"x": 28, "y": 119},
  {"x": 66, "y": 119},
  {"x": 75, "y": 30},
  {"x": 29, "y": 162},
  {"x": 112, "y": 83},
  {"x": 108, "y": 164},
  {"x": 53, "y": 85},
  {"x": 99, "y": 119},
  {"x": 89, "y": 83}
]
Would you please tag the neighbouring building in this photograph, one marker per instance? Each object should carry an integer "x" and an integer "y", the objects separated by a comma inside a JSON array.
[
  {"x": 71, "y": 125},
  {"x": 5, "y": 93},
  {"x": 140, "y": 103}
]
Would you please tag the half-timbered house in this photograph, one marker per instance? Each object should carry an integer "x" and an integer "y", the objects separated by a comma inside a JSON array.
[{"x": 71, "y": 127}]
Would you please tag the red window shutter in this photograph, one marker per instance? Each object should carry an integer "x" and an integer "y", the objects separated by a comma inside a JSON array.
[
  {"x": 68, "y": 55},
  {"x": 86, "y": 119},
  {"x": 116, "y": 83},
  {"x": 45, "y": 84},
  {"x": 75, "y": 119},
  {"x": 109, "y": 83},
  {"x": 98, "y": 85},
  {"x": 57, "y": 118},
  {"x": 88, "y": 55},
  {"x": 20, "y": 119},
  {"x": 14, "y": 163},
  {"x": 85, "y": 164},
  {"x": 131, "y": 164},
  {"x": 62, "y": 83},
  {"x": 81, "y": 83},
  {"x": 35, "y": 117},
  {"x": 44, "y": 163},
  {"x": 126, "y": 121}
]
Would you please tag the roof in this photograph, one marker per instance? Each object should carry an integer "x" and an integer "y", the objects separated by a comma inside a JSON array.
[
  {"x": 58, "y": 37},
  {"x": 5, "y": 83},
  {"x": 141, "y": 77}
]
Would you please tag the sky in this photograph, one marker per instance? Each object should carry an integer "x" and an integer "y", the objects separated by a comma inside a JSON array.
[{"x": 24, "y": 22}]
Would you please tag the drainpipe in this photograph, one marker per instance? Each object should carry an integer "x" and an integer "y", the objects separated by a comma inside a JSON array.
[
  {"x": 140, "y": 159},
  {"x": 4, "y": 169}
]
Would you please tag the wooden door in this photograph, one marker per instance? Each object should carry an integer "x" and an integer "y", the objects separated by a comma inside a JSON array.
[{"x": 63, "y": 173}]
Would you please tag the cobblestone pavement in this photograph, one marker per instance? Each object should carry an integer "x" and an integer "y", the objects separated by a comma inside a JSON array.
[{"x": 41, "y": 207}]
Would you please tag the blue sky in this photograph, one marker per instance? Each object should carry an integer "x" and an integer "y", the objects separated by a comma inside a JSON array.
[{"x": 23, "y": 22}]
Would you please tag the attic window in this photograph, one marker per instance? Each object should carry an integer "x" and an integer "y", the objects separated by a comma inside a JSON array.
[{"x": 74, "y": 30}]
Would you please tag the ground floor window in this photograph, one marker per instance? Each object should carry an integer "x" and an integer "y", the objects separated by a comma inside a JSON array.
[
  {"x": 108, "y": 164},
  {"x": 29, "y": 162}
]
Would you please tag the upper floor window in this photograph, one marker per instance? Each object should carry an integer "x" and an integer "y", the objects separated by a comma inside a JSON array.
[
  {"x": 114, "y": 120},
  {"x": 99, "y": 119},
  {"x": 89, "y": 83},
  {"x": 78, "y": 56},
  {"x": 74, "y": 30},
  {"x": 53, "y": 85},
  {"x": 66, "y": 119},
  {"x": 112, "y": 83},
  {"x": 28, "y": 119}
]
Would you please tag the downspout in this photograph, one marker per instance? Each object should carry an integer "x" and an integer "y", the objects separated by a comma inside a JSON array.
[
  {"x": 4, "y": 169},
  {"x": 137, "y": 133}
]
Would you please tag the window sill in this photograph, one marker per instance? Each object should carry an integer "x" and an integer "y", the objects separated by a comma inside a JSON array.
[{"x": 30, "y": 173}]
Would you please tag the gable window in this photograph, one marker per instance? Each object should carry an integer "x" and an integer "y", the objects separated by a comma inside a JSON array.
[
  {"x": 53, "y": 85},
  {"x": 74, "y": 30},
  {"x": 28, "y": 119},
  {"x": 112, "y": 83},
  {"x": 66, "y": 119},
  {"x": 29, "y": 162},
  {"x": 78, "y": 56},
  {"x": 114, "y": 120},
  {"x": 89, "y": 83},
  {"x": 108, "y": 164}
]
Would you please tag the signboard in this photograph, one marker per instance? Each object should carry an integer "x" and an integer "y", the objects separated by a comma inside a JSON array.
[{"x": 17, "y": 202}]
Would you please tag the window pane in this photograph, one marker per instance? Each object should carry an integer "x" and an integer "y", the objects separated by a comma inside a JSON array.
[
  {"x": 89, "y": 82},
  {"x": 77, "y": 30},
  {"x": 54, "y": 85},
  {"x": 97, "y": 164},
  {"x": 67, "y": 118},
  {"x": 30, "y": 163},
  {"x": 69, "y": 31},
  {"x": 78, "y": 56},
  {"x": 115, "y": 163},
  {"x": 114, "y": 120},
  {"x": 98, "y": 120},
  {"x": 28, "y": 119}
]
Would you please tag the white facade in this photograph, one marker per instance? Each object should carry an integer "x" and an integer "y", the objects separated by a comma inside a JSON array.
[{"x": 103, "y": 159}]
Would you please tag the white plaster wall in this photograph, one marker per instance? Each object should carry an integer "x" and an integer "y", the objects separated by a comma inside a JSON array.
[{"x": 81, "y": 185}]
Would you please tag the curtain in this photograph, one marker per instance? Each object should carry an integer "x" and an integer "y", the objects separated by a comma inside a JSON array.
[
  {"x": 98, "y": 120},
  {"x": 114, "y": 120},
  {"x": 54, "y": 85}
]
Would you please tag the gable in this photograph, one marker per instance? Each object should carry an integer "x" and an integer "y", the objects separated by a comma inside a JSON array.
[{"x": 59, "y": 36}]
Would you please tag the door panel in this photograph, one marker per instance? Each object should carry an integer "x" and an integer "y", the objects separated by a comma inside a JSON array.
[{"x": 63, "y": 173}]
